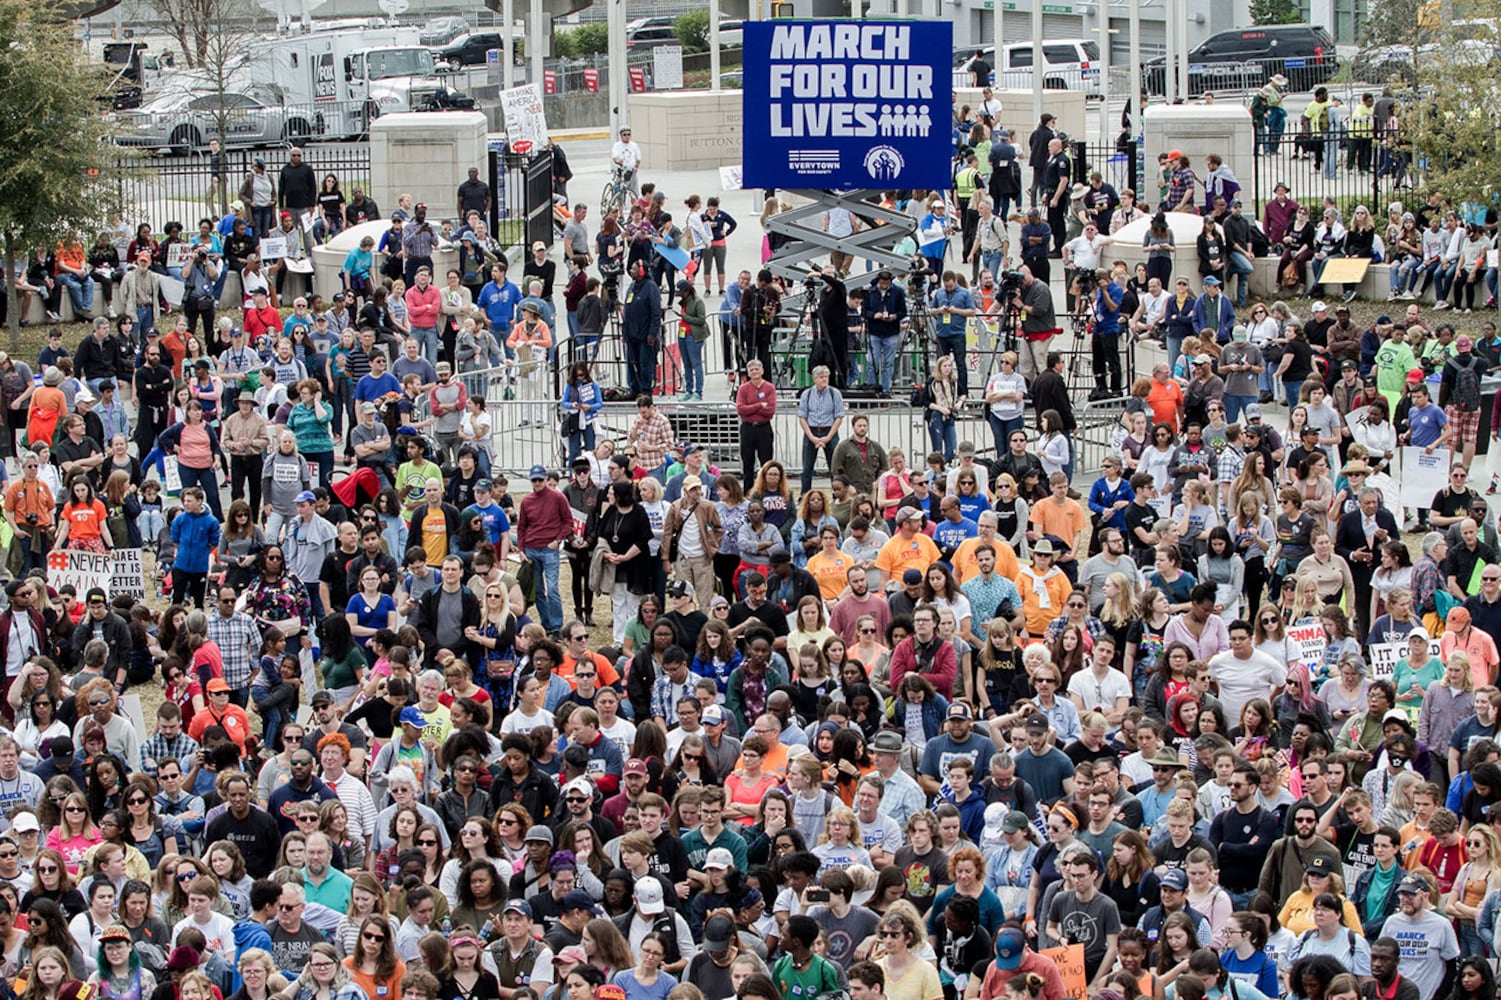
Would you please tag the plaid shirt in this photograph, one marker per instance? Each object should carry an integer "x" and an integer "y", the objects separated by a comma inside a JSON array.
[
  {"x": 417, "y": 243},
  {"x": 235, "y": 636},
  {"x": 665, "y": 696},
  {"x": 159, "y": 748},
  {"x": 653, "y": 438}
]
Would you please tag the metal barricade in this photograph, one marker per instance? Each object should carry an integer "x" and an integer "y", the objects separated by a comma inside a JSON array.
[{"x": 1098, "y": 423}]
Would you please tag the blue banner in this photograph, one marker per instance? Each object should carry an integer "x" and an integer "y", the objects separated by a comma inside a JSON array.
[{"x": 848, "y": 104}]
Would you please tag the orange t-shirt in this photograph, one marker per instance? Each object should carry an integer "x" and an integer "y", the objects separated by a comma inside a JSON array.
[
  {"x": 899, "y": 554},
  {"x": 829, "y": 570},
  {"x": 967, "y": 569},
  {"x": 608, "y": 675},
  {"x": 389, "y": 989},
  {"x": 1165, "y": 399},
  {"x": 1065, "y": 520},
  {"x": 84, "y": 520}
]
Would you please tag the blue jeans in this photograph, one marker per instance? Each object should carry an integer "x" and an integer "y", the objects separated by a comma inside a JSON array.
[
  {"x": 1174, "y": 350},
  {"x": 1002, "y": 430},
  {"x": 1445, "y": 280},
  {"x": 883, "y": 359},
  {"x": 578, "y": 441},
  {"x": 640, "y": 367},
  {"x": 941, "y": 434},
  {"x": 810, "y": 455},
  {"x": 145, "y": 319},
  {"x": 1241, "y": 264},
  {"x": 549, "y": 598},
  {"x": 1401, "y": 271},
  {"x": 30, "y": 560},
  {"x": 427, "y": 338},
  {"x": 990, "y": 260},
  {"x": 692, "y": 353},
  {"x": 1292, "y": 389},
  {"x": 208, "y": 481},
  {"x": 1068, "y": 467},
  {"x": 1234, "y": 405},
  {"x": 80, "y": 292},
  {"x": 325, "y": 462}
]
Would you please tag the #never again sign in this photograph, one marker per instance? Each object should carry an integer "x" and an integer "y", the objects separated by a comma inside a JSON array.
[{"x": 847, "y": 104}]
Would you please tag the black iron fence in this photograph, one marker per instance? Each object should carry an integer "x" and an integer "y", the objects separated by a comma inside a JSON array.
[
  {"x": 1207, "y": 75},
  {"x": 1352, "y": 168},
  {"x": 522, "y": 212},
  {"x": 182, "y": 188}
]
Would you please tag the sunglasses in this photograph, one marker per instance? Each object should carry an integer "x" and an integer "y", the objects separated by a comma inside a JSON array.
[
  {"x": 138, "y": 801},
  {"x": 427, "y": 842},
  {"x": 46, "y": 870},
  {"x": 74, "y": 809},
  {"x": 372, "y": 937}
]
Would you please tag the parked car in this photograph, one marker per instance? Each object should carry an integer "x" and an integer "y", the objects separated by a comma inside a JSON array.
[
  {"x": 1067, "y": 64},
  {"x": 1246, "y": 58},
  {"x": 652, "y": 36},
  {"x": 471, "y": 50},
  {"x": 439, "y": 31},
  {"x": 184, "y": 123}
]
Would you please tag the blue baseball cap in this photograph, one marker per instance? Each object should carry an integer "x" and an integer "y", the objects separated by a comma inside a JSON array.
[
  {"x": 411, "y": 716},
  {"x": 1010, "y": 947},
  {"x": 306, "y": 496},
  {"x": 538, "y": 472}
]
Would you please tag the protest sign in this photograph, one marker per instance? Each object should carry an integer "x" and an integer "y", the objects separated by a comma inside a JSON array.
[
  {"x": 127, "y": 574},
  {"x": 1384, "y": 657},
  {"x": 1423, "y": 475},
  {"x": 1070, "y": 961},
  {"x": 118, "y": 571},
  {"x": 1311, "y": 642}
]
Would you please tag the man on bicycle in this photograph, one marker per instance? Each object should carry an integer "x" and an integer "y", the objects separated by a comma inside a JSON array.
[{"x": 627, "y": 156}]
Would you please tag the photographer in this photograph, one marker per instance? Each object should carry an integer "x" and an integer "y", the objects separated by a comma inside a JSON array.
[
  {"x": 1039, "y": 324},
  {"x": 834, "y": 320},
  {"x": 952, "y": 306},
  {"x": 418, "y": 239},
  {"x": 1106, "y": 342},
  {"x": 885, "y": 309},
  {"x": 759, "y": 306},
  {"x": 198, "y": 298}
]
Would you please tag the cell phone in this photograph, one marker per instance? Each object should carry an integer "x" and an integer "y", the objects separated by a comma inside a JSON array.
[{"x": 817, "y": 895}]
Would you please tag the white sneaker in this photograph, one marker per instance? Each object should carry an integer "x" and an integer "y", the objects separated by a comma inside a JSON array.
[{"x": 1441, "y": 304}]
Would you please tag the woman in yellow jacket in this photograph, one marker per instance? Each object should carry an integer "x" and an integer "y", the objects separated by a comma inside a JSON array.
[{"x": 1297, "y": 912}]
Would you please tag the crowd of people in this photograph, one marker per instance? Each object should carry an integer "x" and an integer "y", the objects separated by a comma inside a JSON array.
[{"x": 901, "y": 736}]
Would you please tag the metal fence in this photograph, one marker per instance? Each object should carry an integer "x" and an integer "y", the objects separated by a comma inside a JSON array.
[
  {"x": 180, "y": 188},
  {"x": 1351, "y": 169},
  {"x": 1244, "y": 76},
  {"x": 521, "y": 213}
]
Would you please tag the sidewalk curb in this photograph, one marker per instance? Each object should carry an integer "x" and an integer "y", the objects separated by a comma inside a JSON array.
[{"x": 578, "y": 134}]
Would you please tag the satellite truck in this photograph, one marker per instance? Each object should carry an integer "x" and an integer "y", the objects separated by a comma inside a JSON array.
[{"x": 352, "y": 73}]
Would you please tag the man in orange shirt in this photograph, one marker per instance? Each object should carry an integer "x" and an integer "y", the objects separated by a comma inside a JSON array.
[
  {"x": 1165, "y": 398},
  {"x": 965, "y": 567},
  {"x": 909, "y": 548},
  {"x": 1062, "y": 517},
  {"x": 73, "y": 274}
]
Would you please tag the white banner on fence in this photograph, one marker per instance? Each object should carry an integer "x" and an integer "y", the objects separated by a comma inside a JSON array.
[
  {"x": 1423, "y": 475},
  {"x": 1384, "y": 657},
  {"x": 667, "y": 67},
  {"x": 115, "y": 572}
]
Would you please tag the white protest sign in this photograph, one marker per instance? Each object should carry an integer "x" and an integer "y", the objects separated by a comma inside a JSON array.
[
  {"x": 273, "y": 247},
  {"x": 171, "y": 475},
  {"x": 300, "y": 265},
  {"x": 308, "y": 218},
  {"x": 127, "y": 574},
  {"x": 1311, "y": 642},
  {"x": 177, "y": 254},
  {"x": 84, "y": 570},
  {"x": 1423, "y": 475},
  {"x": 525, "y": 120},
  {"x": 667, "y": 67},
  {"x": 729, "y": 178},
  {"x": 1384, "y": 657}
]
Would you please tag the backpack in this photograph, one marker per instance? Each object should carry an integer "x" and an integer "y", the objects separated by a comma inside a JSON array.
[
  {"x": 1466, "y": 394},
  {"x": 1258, "y": 107}
]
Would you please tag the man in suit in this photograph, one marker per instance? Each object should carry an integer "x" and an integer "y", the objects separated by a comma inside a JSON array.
[{"x": 1359, "y": 539}]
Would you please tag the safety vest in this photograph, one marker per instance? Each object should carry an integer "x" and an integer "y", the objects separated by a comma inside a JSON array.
[{"x": 965, "y": 184}]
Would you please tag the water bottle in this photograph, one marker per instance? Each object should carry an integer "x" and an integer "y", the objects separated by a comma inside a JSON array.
[{"x": 447, "y": 925}]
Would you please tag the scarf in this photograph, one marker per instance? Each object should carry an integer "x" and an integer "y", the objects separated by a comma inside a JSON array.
[
  {"x": 1381, "y": 887},
  {"x": 1039, "y": 586}
]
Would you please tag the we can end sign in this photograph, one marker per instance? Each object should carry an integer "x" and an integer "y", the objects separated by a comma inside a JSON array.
[{"x": 847, "y": 104}]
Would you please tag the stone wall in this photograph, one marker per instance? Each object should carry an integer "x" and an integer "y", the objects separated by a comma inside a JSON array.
[
  {"x": 427, "y": 154},
  {"x": 688, "y": 130}
]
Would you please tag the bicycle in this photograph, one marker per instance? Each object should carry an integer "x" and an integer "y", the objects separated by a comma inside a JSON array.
[{"x": 616, "y": 195}]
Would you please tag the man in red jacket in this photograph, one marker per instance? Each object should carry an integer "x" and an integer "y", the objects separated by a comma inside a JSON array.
[
  {"x": 756, "y": 405},
  {"x": 261, "y": 318},
  {"x": 923, "y": 652},
  {"x": 424, "y": 305},
  {"x": 543, "y": 521}
]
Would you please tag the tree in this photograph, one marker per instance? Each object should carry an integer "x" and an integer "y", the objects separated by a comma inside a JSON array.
[
  {"x": 693, "y": 31},
  {"x": 1452, "y": 121},
  {"x": 1392, "y": 22},
  {"x": 59, "y": 168},
  {"x": 1275, "y": 12}
]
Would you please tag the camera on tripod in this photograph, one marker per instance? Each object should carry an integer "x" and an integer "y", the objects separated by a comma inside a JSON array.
[{"x": 1010, "y": 283}]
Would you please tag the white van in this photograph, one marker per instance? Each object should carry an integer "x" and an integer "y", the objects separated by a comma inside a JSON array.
[{"x": 1068, "y": 64}]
